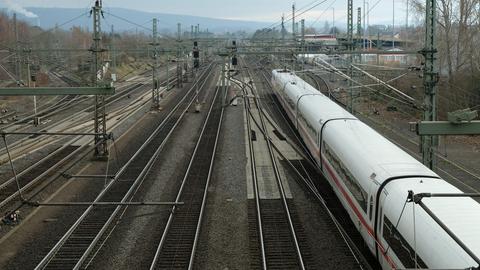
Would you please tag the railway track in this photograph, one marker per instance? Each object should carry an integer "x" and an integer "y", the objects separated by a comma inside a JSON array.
[
  {"x": 305, "y": 170},
  {"x": 177, "y": 247},
  {"x": 49, "y": 109},
  {"x": 279, "y": 236},
  {"x": 63, "y": 104},
  {"x": 66, "y": 79},
  {"x": 80, "y": 242},
  {"x": 23, "y": 141},
  {"x": 6, "y": 116},
  {"x": 45, "y": 168},
  {"x": 67, "y": 102},
  {"x": 319, "y": 82},
  {"x": 38, "y": 174}
]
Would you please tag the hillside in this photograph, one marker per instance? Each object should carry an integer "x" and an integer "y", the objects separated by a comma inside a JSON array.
[{"x": 49, "y": 17}]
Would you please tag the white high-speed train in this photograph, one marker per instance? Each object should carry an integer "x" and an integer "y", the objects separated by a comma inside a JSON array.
[{"x": 372, "y": 178}]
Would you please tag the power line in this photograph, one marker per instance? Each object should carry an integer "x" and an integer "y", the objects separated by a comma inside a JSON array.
[
  {"x": 278, "y": 23},
  {"x": 128, "y": 21},
  {"x": 316, "y": 20},
  {"x": 290, "y": 14},
  {"x": 368, "y": 13}
]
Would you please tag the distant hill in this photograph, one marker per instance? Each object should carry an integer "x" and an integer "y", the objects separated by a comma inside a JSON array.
[{"x": 49, "y": 17}]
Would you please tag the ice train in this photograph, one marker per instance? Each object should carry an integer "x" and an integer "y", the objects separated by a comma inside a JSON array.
[{"x": 372, "y": 178}]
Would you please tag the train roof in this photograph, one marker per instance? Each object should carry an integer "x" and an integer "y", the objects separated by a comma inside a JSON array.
[
  {"x": 354, "y": 140},
  {"x": 381, "y": 159},
  {"x": 460, "y": 215},
  {"x": 314, "y": 105}
]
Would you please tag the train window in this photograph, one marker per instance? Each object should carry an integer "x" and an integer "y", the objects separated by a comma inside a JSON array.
[
  {"x": 349, "y": 180},
  {"x": 371, "y": 208},
  {"x": 400, "y": 246}
]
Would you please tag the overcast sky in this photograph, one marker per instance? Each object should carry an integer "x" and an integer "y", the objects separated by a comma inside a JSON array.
[{"x": 256, "y": 10}]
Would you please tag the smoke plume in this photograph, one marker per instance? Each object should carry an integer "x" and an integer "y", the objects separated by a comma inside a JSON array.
[{"x": 15, "y": 7}]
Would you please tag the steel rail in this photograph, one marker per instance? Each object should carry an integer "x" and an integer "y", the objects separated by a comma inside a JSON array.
[
  {"x": 60, "y": 106},
  {"x": 65, "y": 237},
  {"x": 109, "y": 101},
  {"x": 45, "y": 159},
  {"x": 293, "y": 131},
  {"x": 140, "y": 178},
  {"x": 205, "y": 193},
  {"x": 104, "y": 203},
  {"x": 143, "y": 174},
  {"x": 310, "y": 185},
  {"x": 69, "y": 118},
  {"x": 348, "y": 241},
  {"x": 32, "y": 182},
  {"x": 61, "y": 103},
  {"x": 40, "y": 162},
  {"x": 277, "y": 175},
  {"x": 257, "y": 192},
  {"x": 346, "y": 238},
  {"x": 128, "y": 203},
  {"x": 305, "y": 153},
  {"x": 182, "y": 186},
  {"x": 255, "y": 182},
  {"x": 2, "y": 133}
]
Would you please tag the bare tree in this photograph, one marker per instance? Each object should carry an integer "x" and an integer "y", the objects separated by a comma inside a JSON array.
[
  {"x": 458, "y": 36},
  {"x": 458, "y": 33}
]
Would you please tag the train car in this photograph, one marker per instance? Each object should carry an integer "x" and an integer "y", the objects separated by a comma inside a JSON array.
[
  {"x": 314, "y": 58},
  {"x": 373, "y": 178}
]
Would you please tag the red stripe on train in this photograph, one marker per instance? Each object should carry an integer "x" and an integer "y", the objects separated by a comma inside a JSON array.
[{"x": 339, "y": 185}]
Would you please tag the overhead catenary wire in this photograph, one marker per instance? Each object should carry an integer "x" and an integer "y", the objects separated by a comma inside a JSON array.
[
  {"x": 289, "y": 17},
  {"x": 129, "y": 21},
  {"x": 353, "y": 249},
  {"x": 30, "y": 39},
  {"x": 378, "y": 84},
  {"x": 142, "y": 26},
  {"x": 321, "y": 15},
  {"x": 395, "y": 90},
  {"x": 56, "y": 27},
  {"x": 13, "y": 169},
  {"x": 367, "y": 14},
  {"x": 334, "y": 70},
  {"x": 396, "y": 225},
  {"x": 410, "y": 100},
  {"x": 298, "y": 15}
]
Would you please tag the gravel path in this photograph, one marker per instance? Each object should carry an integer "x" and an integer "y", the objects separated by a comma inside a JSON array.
[{"x": 224, "y": 241}]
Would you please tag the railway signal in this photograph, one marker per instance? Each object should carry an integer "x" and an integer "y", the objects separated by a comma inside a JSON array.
[
  {"x": 155, "y": 83},
  {"x": 196, "y": 55}
]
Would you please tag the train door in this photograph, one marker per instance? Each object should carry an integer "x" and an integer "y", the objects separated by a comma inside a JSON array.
[
  {"x": 319, "y": 148},
  {"x": 371, "y": 220},
  {"x": 380, "y": 242},
  {"x": 371, "y": 212}
]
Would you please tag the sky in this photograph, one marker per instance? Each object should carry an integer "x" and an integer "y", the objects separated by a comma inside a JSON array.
[{"x": 250, "y": 10}]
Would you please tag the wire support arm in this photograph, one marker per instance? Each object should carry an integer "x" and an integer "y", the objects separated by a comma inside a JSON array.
[
  {"x": 103, "y": 203},
  {"x": 418, "y": 199},
  {"x": 3, "y": 133}
]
